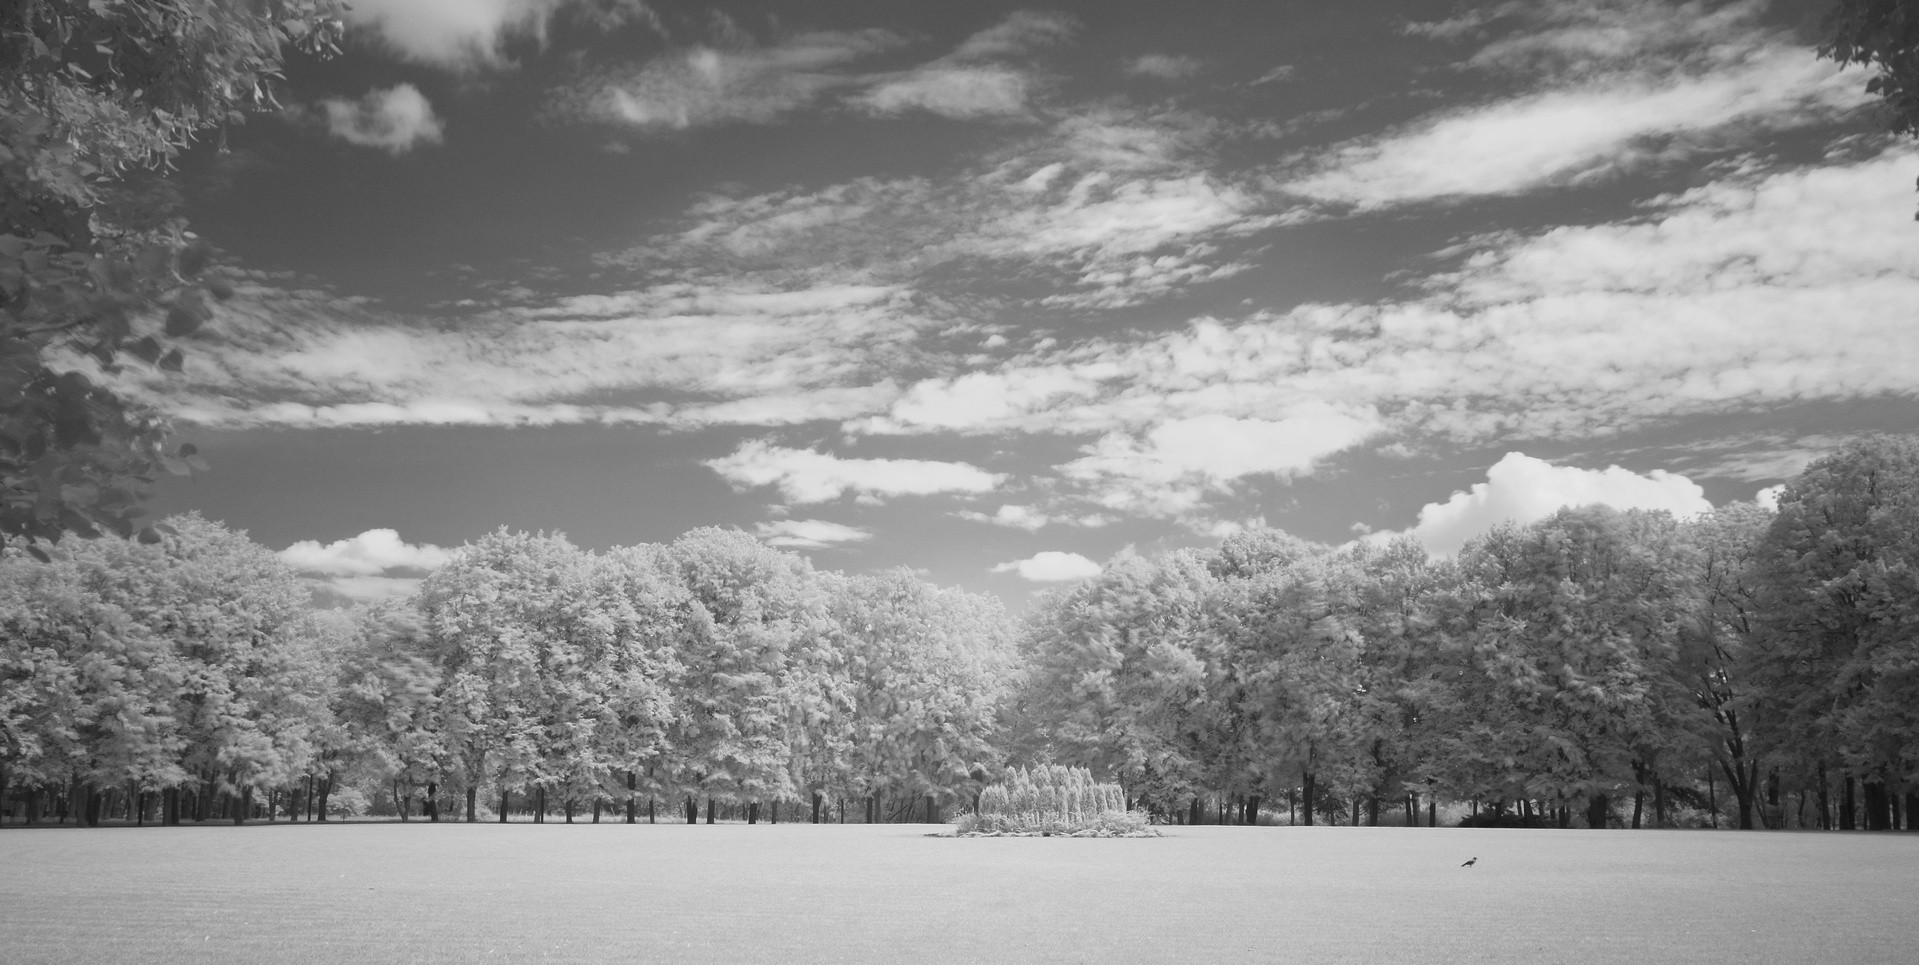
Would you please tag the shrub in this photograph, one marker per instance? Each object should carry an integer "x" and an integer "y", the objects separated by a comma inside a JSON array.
[{"x": 1054, "y": 799}]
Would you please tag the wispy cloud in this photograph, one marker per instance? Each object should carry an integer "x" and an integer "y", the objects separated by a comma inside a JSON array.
[
  {"x": 1164, "y": 66},
  {"x": 805, "y": 476},
  {"x": 704, "y": 86},
  {"x": 743, "y": 81},
  {"x": 395, "y": 120},
  {"x": 810, "y": 533},
  {"x": 1603, "y": 88}
]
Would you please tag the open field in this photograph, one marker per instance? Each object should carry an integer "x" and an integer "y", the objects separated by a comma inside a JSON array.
[{"x": 888, "y": 893}]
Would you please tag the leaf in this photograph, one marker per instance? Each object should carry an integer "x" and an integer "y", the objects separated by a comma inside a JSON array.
[
  {"x": 194, "y": 259},
  {"x": 182, "y": 321},
  {"x": 146, "y": 350}
]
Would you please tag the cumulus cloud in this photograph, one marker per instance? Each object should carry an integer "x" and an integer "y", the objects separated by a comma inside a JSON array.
[
  {"x": 1051, "y": 566},
  {"x": 810, "y": 533},
  {"x": 1768, "y": 498},
  {"x": 805, "y": 476},
  {"x": 1522, "y": 489},
  {"x": 395, "y": 120},
  {"x": 372, "y": 553}
]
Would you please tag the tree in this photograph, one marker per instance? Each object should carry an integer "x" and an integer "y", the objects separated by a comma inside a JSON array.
[
  {"x": 1716, "y": 642},
  {"x": 1290, "y": 676},
  {"x": 928, "y": 669},
  {"x": 156, "y": 665},
  {"x": 754, "y": 611},
  {"x": 1116, "y": 681},
  {"x": 93, "y": 274},
  {"x": 1837, "y": 654},
  {"x": 1883, "y": 36},
  {"x": 1567, "y": 643}
]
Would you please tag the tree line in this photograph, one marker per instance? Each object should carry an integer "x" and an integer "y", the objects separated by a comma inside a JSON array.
[
  {"x": 1598, "y": 666},
  {"x": 188, "y": 679}
]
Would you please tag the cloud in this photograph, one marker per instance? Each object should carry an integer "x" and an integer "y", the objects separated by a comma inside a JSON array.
[
  {"x": 1522, "y": 489},
  {"x": 458, "y": 34},
  {"x": 964, "y": 92},
  {"x": 361, "y": 589},
  {"x": 1164, "y": 66},
  {"x": 706, "y": 86},
  {"x": 1010, "y": 515},
  {"x": 1022, "y": 32},
  {"x": 395, "y": 120},
  {"x": 805, "y": 476},
  {"x": 372, "y": 553},
  {"x": 1606, "y": 88},
  {"x": 686, "y": 355},
  {"x": 740, "y": 81},
  {"x": 1167, "y": 469},
  {"x": 810, "y": 533},
  {"x": 1768, "y": 498},
  {"x": 1051, "y": 566}
]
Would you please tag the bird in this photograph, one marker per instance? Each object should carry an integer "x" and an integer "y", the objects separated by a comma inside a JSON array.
[{"x": 1470, "y": 861}]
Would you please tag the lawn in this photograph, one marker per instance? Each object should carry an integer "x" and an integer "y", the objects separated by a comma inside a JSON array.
[{"x": 889, "y": 893}]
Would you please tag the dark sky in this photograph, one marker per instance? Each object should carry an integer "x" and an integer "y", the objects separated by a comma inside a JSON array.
[{"x": 997, "y": 291}]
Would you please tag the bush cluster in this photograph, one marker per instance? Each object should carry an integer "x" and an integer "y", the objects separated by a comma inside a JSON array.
[{"x": 1053, "y": 799}]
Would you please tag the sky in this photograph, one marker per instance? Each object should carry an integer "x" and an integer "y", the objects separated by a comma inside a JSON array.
[{"x": 997, "y": 291}]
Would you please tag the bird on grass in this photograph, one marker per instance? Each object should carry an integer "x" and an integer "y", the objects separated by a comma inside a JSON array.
[{"x": 1470, "y": 861}]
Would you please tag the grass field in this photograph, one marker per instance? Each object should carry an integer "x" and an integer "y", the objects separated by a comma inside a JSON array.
[{"x": 889, "y": 893}]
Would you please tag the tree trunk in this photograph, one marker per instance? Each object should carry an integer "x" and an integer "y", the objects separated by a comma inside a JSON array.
[
  {"x": 246, "y": 805},
  {"x": 632, "y": 784},
  {"x": 596, "y": 810},
  {"x": 1878, "y": 814},
  {"x": 818, "y": 799},
  {"x": 1306, "y": 798},
  {"x": 1658, "y": 801},
  {"x": 1912, "y": 810},
  {"x": 1846, "y": 806},
  {"x": 1712, "y": 796},
  {"x": 1372, "y": 810},
  {"x": 932, "y": 810},
  {"x": 1598, "y": 805},
  {"x": 1252, "y": 810},
  {"x": 326, "y": 791},
  {"x": 753, "y": 813},
  {"x": 472, "y": 805},
  {"x": 649, "y": 809},
  {"x": 506, "y": 797},
  {"x": 710, "y": 805},
  {"x": 1432, "y": 810},
  {"x": 692, "y": 810},
  {"x": 1193, "y": 816},
  {"x": 1638, "y": 806},
  {"x": 400, "y": 805},
  {"x": 776, "y": 810},
  {"x": 433, "y": 801}
]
